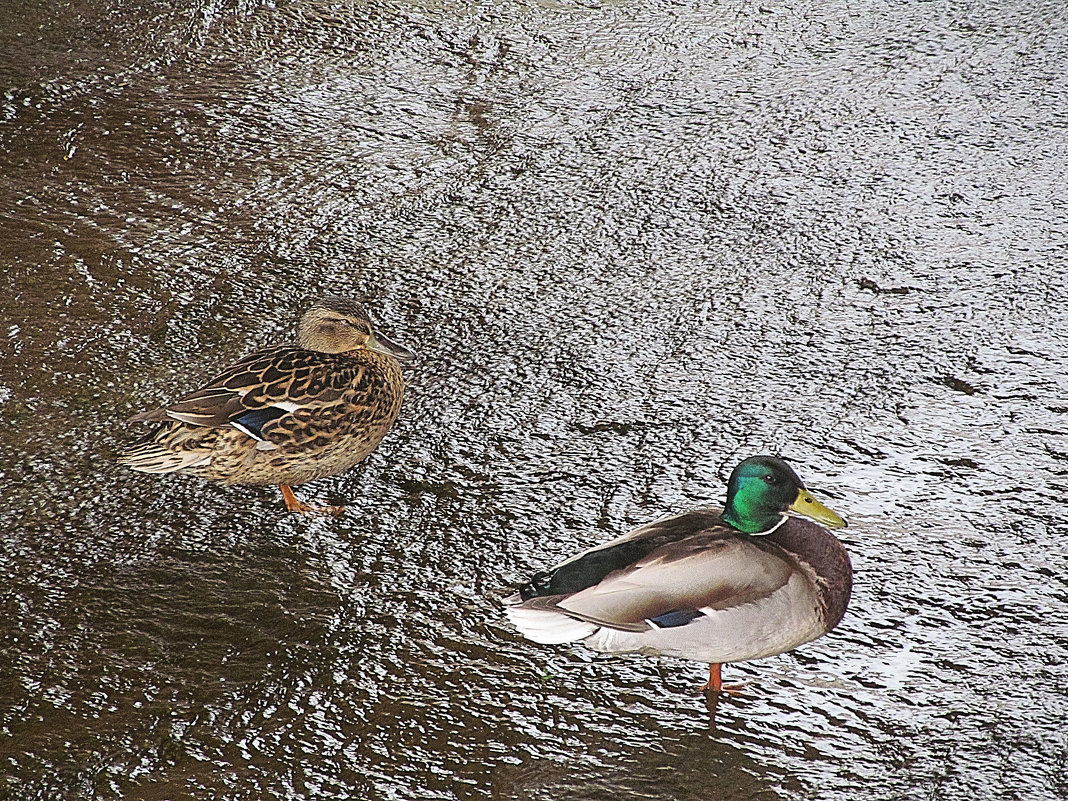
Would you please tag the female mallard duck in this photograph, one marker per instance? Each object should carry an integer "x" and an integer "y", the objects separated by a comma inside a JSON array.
[
  {"x": 714, "y": 586},
  {"x": 284, "y": 414}
]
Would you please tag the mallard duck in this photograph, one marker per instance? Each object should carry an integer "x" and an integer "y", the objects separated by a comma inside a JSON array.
[
  {"x": 716, "y": 586},
  {"x": 284, "y": 414}
]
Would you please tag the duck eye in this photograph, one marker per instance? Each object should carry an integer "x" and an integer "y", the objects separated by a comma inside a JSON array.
[{"x": 770, "y": 479}]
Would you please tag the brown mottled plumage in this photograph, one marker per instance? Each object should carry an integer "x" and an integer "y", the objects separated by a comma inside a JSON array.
[{"x": 285, "y": 414}]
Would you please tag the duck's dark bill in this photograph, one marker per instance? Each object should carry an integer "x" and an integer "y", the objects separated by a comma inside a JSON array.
[
  {"x": 382, "y": 345},
  {"x": 808, "y": 506}
]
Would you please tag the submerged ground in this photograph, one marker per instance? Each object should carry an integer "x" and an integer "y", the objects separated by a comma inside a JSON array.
[{"x": 632, "y": 243}]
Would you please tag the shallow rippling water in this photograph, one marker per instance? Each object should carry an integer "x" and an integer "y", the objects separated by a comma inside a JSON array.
[{"x": 632, "y": 243}]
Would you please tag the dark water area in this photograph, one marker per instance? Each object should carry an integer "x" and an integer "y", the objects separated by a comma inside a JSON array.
[{"x": 632, "y": 243}]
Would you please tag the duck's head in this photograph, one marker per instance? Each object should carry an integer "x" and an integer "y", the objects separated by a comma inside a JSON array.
[
  {"x": 340, "y": 325},
  {"x": 761, "y": 491}
]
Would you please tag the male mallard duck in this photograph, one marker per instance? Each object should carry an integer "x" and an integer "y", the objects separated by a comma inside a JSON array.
[
  {"x": 715, "y": 586},
  {"x": 284, "y": 414}
]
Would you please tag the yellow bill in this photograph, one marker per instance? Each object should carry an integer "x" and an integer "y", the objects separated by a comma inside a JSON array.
[{"x": 807, "y": 506}]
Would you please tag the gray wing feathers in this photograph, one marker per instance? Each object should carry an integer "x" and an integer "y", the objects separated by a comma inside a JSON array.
[
  {"x": 782, "y": 621},
  {"x": 693, "y": 574}
]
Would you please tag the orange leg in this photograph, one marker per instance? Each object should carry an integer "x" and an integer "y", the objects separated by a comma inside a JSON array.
[
  {"x": 295, "y": 505},
  {"x": 715, "y": 678},
  {"x": 715, "y": 681}
]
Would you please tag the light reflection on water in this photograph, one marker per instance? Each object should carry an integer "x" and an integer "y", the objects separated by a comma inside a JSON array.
[{"x": 630, "y": 246}]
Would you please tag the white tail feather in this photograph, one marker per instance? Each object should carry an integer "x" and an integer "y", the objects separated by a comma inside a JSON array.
[{"x": 548, "y": 628}]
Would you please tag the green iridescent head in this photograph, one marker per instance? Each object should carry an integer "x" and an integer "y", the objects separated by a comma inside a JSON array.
[{"x": 760, "y": 492}]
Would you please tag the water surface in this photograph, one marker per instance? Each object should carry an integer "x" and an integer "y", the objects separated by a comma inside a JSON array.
[{"x": 632, "y": 243}]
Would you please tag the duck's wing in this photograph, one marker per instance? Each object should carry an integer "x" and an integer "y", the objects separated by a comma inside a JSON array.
[
  {"x": 662, "y": 575},
  {"x": 263, "y": 386},
  {"x": 707, "y": 572},
  {"x": 594, "y": 565}
]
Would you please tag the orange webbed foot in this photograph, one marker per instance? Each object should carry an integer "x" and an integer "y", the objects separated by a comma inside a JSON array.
[
  {"x": 293, "y": 504},
  {"x": 736, "y": 690},
  {"x": 715, "y": 683}
]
